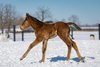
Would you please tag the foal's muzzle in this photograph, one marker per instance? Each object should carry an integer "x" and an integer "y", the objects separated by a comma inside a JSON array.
[{"x": 21, "y": 27}]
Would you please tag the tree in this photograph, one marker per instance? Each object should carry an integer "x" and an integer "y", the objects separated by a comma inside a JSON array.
[
  {"x": 74, "y": 19},
  {"x": 43, "y": 13},
  {"x": 1, "y": 18},
  {"x": 7, "y": 17}
]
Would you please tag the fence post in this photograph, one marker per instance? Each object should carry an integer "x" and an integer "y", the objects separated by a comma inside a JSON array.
[
  {"x": 72, "y": 33},
  {"x": 14, "y": 32},
  {"x": 22, "y": 35},
  {"x": 99, "y": 31}
]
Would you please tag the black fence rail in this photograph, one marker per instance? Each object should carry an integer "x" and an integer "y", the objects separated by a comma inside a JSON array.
[{"x": 73, "y": 34}]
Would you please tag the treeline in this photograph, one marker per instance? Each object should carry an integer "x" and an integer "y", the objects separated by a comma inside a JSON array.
[{"x": 8, "y": 17}]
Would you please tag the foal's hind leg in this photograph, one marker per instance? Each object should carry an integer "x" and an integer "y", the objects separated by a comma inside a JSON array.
[
  {"x": 68, "y": 43},
  {"x": 30, "y": 47},
  {"x": 77, "y": 51},
  {"x": 65, "y": 37}
]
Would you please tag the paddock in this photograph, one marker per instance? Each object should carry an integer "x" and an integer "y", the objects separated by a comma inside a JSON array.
[{"x": 11, "y": 51}]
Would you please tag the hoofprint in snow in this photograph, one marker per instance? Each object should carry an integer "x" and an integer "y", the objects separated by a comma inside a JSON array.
[{"x": 10, "y": 52}]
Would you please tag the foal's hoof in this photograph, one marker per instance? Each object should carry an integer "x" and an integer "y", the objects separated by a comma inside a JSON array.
[
  {"x": 67, "y": 59},
  {"x": 82, "y": 59},
  {"x": 21, "y": 59},
  {"x": 41, "y": 61}
]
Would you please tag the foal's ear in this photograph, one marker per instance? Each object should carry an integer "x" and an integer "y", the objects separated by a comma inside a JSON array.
[{"x": 27, "y": 14}]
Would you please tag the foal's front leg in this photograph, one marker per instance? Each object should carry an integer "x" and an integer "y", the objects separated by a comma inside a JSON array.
[
  {"x": 44, "y": 47},
  {"x": 30, "y": 47}
]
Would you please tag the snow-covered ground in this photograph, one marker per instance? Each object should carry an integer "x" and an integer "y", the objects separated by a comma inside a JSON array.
[{"x": 10, "y": 52}]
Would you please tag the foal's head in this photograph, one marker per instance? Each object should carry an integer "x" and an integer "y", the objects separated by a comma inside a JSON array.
[
  {"x": 26, "y": 22},
  {"x": 31, "y": 21}
]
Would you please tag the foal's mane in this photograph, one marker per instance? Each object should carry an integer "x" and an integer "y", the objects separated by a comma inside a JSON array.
[{"x": 38, "y": 22}]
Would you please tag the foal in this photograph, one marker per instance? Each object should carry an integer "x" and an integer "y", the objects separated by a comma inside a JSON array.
[{"x": 45, "y": 31}]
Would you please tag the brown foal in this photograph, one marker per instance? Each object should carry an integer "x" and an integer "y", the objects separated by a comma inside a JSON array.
[{"x": 44, "y": 32}]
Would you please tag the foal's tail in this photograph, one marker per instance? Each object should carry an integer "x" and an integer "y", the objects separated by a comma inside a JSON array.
[{"x": 70, "y": 23}]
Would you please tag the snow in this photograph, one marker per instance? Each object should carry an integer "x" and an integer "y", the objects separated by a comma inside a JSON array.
[
  {"x": 10, "y": 52},
  {"x": 3, "y": 37}
]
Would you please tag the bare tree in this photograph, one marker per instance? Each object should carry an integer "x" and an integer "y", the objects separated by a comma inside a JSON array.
[
  {"x": 7, "y": 17},
  {"x": 1, "y": 18},
  {"x": 43, "y": 13},
  {"x": 18, "y": 20},
  {"x": 74, "y": 19}
]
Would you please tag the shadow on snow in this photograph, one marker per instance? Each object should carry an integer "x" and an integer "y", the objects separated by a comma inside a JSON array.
[{"x": 62, "y": 58}]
